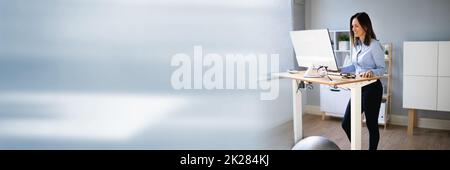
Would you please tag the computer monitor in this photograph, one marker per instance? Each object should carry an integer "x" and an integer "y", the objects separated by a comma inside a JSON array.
[{"x": 313, "y": 49}]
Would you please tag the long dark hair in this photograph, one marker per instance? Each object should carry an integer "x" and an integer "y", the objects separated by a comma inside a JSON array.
[{"x": 366, "y": 24}]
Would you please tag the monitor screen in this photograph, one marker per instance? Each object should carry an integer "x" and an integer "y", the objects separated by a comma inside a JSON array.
[{"x": 313, "y": 48}]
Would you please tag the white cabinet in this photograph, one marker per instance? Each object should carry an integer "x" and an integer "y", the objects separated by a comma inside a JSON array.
[
  {"x": 420, "y": 58},
  {"x": 419, "y": 92},
  {"x": 426, "y": 75},
  {"x": 444, "y": 76},
  {"x": 444, "y": 59},
  {"x": 443, "y": 94},
  {"x": 333, "y": 101}
]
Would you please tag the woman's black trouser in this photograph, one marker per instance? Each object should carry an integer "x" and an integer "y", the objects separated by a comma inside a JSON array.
[{"x": 370, "y": 105}]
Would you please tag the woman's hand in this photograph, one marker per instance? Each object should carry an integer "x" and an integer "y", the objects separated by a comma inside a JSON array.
[{"x": 367, "y": 74}]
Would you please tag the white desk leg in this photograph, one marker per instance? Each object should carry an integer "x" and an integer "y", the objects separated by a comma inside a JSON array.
[
  {"x": 355, "y": 118},
  {"x": 297, "y": 111}
]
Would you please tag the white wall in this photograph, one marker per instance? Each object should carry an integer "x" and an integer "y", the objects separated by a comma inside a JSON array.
[{"x": 393, "y": 21}]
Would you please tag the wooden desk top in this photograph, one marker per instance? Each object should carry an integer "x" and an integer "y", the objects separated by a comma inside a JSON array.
[{"x": 337, "y": 80}]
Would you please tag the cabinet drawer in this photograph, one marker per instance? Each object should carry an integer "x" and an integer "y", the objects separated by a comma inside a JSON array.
[{"x": 419, "y": 92}]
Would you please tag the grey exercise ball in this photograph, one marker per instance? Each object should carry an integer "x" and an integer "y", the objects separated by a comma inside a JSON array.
[{"x": 315, "y": 143}]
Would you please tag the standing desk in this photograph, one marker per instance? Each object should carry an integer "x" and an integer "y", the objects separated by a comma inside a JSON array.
[{"x": 337, "y": 81}]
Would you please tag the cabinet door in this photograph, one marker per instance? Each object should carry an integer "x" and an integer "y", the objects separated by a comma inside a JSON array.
[
  {"x": 326, "y": 99},
  {"x": 419, "y": 92},
  {"x": 444, "y": 58},
  {"x": 420, "y": 58},
  {"x": 443, "y": 94},
  {"x": 333, "y": 100}
]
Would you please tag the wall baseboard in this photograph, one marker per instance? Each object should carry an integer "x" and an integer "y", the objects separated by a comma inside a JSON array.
[{"x": 397, "y": 119}]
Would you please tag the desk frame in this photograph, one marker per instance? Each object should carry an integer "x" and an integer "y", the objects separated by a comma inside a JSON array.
[{"x": 355, "y": 86}]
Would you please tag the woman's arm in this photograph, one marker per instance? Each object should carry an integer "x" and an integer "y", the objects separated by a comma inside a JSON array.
[
  {"x": 348, "y": 69},
  {"x": 378, "y": 57}
]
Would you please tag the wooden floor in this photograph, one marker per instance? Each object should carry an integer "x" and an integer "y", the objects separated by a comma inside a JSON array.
[{"x": 393, "y": 138}]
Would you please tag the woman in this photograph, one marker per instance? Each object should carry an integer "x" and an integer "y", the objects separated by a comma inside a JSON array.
[{"x": 367, "y": 61}]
